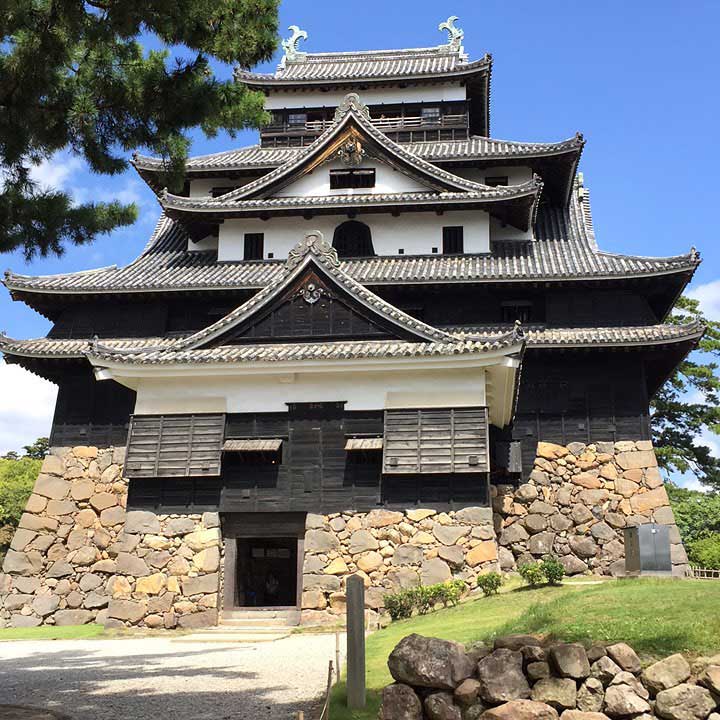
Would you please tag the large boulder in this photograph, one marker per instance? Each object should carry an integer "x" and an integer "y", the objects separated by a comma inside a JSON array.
[
  {"x": 625, "y": 657},
  {"x": 466, "y": 693},
  {"x": 583, "y": 715},
  {"x": 429, "y": 662},
  {"x": 435, "y": 571},
  {"x": 141, "y": 522},
  {"x": 569, "y": 661},
  {"x": 501, "y": 677},
  {"x": 73, "y": 617},
  {"x": 521, "y": 710},
  {"x": 440, "y": 706},
  {"x": 711, "y": 678},
  {"x": 605, "y": 669},
  {"x": 622, "y": 700},
  {"x": 399, "y": 702},
  {"x": 560, "y": 693},
  {"x": 684, "y": 702},
  {"x": 591, "y": 696},
  {"x": 666, "y": 673}
]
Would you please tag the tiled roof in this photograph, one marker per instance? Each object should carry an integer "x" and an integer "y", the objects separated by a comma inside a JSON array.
[
  {"x": 369, "y": 66},
  {"x": 542, "y": 337},
  {"x": 535, "y": 336},
  {"x": 564, "y": 248},
  {"x": 474, "y": 148},
  {"x": 487, "y": 195}
]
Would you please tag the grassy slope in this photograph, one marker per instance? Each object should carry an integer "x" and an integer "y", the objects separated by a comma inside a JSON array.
[
  {"x": 656, "y": 617},
  {"x": 47, "y": 632}
]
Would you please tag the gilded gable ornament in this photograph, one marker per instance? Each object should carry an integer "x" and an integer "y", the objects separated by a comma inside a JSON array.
[
  {"x": 455, "y": 34},
  {"x": 351, "y": 152},
  {"x": 290, "y": 45}
]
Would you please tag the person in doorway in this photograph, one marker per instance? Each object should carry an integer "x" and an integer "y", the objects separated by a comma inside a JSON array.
[{"x": 271, "y": 589}]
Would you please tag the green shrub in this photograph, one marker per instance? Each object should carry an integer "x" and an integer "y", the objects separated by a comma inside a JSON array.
[
  {"x": 532, "y": 573},
  {"x": 553, "y": 569},
  {"x": 399, "y": 605},
  {"x": 705, "y": 552},
  {"x": 17, "y": 478},
  {"x": 490, "y": 583},
  {"x": 423, "y": 599}
]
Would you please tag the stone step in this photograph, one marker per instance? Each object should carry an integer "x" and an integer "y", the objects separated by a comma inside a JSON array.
[
  {"x": 264, "y": 616},
  {"x": 223, "y": 634},
  {"x": 256, "y": 622}
]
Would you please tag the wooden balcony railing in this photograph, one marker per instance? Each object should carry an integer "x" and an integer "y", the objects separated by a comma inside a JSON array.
[{"x": 410, "y": 122}]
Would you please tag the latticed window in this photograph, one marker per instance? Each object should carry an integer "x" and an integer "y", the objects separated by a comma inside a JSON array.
[
  {"x": 453, "y": 240},
  {"x": 431, "y": 115},
  {"x": 254, "y": 246},
  {"x": 340, "y": 179}
]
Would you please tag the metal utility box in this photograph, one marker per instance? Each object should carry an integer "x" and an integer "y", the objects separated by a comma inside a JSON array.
[{"x": 647, "y": 550}]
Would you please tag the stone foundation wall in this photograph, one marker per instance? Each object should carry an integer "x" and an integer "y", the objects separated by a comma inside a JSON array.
[
  {"x": 391, "y": 551},
  {"x": 79, "y": 557},
  {"x": 576, "y": 504}
]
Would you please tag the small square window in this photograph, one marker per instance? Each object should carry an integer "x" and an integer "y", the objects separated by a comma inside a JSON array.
[
  {"x": 254, "y": 243},
  {"x": 497, "y": 181},
  {"x": 453, "y": 240}
]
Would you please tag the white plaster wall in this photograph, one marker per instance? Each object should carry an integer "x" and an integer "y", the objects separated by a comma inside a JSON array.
[
  {"x": 281, "y": 99},
  {"x": 271, "y": 393},
  {"x": 515, "y": 175},
  {"x": 387, "y": 180},
  {"x": 417, "y": 232}
]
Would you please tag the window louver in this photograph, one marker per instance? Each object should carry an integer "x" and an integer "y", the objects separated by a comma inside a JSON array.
[
  {"x": 174, "y": 446},
  {"x": 438, "y": 440}
]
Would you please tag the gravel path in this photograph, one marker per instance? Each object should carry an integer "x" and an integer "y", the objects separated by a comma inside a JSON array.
[{"x": 160, "y": 679}]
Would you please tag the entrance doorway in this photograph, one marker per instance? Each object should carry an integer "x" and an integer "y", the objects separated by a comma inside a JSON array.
[
  {"x": 264, "y": 554},
  {"x": 266, "y": 572}
]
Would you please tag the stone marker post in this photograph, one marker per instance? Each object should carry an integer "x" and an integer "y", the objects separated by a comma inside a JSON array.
[{"x": 355, "y": 590}]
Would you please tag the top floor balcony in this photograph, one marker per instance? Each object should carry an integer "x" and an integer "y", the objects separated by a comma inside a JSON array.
[{"x": 402, "y": 124}]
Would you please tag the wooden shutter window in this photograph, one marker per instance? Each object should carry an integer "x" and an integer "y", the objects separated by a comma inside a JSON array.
[
  {"x": 453, "y": 240},
  {"x": 436, "y": 440},
  {"x": 174, "y": 446},
  {"x": 254, "y": 246}
]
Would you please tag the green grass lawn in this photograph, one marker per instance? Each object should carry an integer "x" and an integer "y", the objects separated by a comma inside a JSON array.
[
  {"x": 48, "y": 632},
  {"x": 656, "y": 617}
]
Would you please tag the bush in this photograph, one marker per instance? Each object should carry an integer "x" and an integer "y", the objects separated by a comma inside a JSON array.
[
  {"x": 17, "y": 478},
  {"x": 553, "y": 569},
  {"x": 532, "y": 573},
  {"x": 490, "y": 583},
  {"x": 400, "y": 605},
  {"x": 705, "y": 552},
  {"x": 423, "y": 599}
]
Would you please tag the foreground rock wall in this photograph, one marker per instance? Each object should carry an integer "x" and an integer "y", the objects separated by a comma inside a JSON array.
[
  {"x": 79, "y": 557},
  {"x": 521, "y": 678},
  {"x": 391, "y": 551},
  {"x": 577, "y": 502}
]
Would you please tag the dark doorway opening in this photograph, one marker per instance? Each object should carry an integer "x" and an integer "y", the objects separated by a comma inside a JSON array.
[
  {"x": 353, "y": 239},
  {"x": 267, "y": 574}
]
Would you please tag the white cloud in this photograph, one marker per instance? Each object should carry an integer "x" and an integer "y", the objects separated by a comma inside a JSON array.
[
  {"x": 709, "y": 296},
  {"x": 27, "y": 403},
  {"x": 54, "y": 174}
]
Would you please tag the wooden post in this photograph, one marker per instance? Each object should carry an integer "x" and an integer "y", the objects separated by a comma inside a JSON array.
[
  {"x": 355, "y": 592},
  {"x": 337, "y": 655}
]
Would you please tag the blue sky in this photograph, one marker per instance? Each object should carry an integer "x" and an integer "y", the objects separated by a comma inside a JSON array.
[{"x": 639, "y": 79}]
